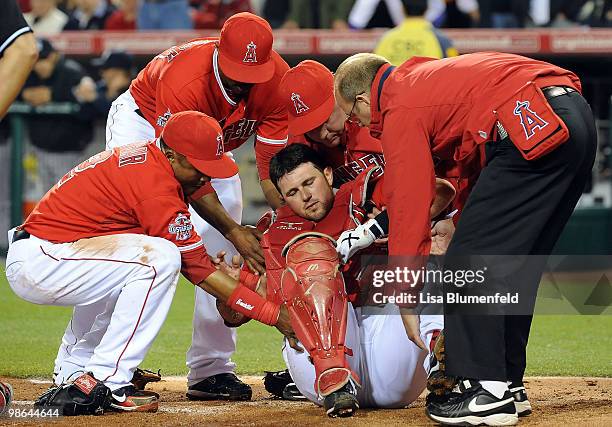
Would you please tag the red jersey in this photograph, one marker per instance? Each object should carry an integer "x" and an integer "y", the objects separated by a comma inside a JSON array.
[
  {"x": 357, "y": 151},
  {"x": 441, "y": 110},
  {"x": 130, "y": 189},
  {"x": 186, "y": 77},
  {"x": 346, "y": 213}
]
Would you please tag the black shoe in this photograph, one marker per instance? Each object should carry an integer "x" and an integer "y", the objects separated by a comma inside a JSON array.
[
  {"x": 521, "y": 403},
  {"x": 341, "y": 403},
  {"x": 220, "y": 387},
  {"x": 281, "y": 385},
  {"x": 470, "y": 404}
]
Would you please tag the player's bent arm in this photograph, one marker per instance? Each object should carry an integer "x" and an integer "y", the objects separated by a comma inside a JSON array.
[
  {"x": 245, "y": 301},
  {"x": 15, "y": 66},
  {"x": 271, "y": 193},
  {"x": 445, "y": 193}
]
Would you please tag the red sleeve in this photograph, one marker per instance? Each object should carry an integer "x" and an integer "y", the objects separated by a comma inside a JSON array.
[
  {"x": 202, "y": 191},
  {"x": 168, "y": 217},
  {"x": 271, "y": 138},
  {"x": 263, "y": 155},
  {"x": 409, "y": 183},
  {"x": 168, "y": 102}
]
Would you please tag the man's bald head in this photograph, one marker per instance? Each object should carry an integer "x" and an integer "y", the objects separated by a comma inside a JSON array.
[
  {"x": 356, "y": 73},
  {"x": 352, "y": 83}
]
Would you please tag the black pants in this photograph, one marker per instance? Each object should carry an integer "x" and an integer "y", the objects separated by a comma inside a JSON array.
[{"x": 517, "y": 207}]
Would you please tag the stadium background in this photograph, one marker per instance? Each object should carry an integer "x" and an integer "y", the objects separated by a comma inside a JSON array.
[
  {"x": 588, "y": 52},
  {"x": 572, "y": 345}
]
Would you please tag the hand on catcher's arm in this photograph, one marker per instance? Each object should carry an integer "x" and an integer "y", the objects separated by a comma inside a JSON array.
[
  {"x": 246, "y": 241},
  {"x": 412, "y": 326}
]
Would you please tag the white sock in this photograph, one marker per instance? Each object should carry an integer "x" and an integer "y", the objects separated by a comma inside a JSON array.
[{"x": 496, "y": 388}]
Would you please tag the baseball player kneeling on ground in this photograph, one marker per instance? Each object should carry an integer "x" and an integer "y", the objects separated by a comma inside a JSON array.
[
  {"x": 353, "y": 351},
  {"x": 116, "y": 230}
]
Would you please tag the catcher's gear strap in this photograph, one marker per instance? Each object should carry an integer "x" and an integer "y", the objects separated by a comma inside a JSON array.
[
  {"x": 362, "y": 187},
  {"x": 313, "y": 289},
  {"x": 245, "y": 301}
]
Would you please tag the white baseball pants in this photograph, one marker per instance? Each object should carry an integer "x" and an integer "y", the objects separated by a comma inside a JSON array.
[
  {"x": 212, "y": 343},
  {"x": 121, "y": 284},
  {"x": 389, "y": 365}
]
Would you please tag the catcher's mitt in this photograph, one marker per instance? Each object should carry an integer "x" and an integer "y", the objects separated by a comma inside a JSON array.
[
  {"x": 85, "y": 396},
  {"x": 142, "y": 377},
  {"x": 438, "y": 382}
]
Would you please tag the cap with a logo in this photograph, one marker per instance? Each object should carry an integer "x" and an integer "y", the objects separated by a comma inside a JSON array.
[
  {"x": 198, "y": 137},
  {"x": 245, "y": 48},
  {"x": 308, "y": 92}
]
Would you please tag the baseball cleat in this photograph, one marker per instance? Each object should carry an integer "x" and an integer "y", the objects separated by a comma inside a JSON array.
[
  {"x": 220, "y": 387},
  {"x": 281, "y": 385},
  {"x": 341, "y": 403},
  {"x": 129, "y": 399},
  {"x": 438, "y": 382},
  {"x": 521, "y": 402},
  {"x": 470, "y": 405}
]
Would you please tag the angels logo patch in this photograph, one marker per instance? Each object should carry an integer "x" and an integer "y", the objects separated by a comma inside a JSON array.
[
  {"x": 220, "y": 148},
  {"x": 251, "y": 54},
  {"x": 299, "y": 105},
  {"x": 162, "y": 120},
  {"x": 181, "y": 227},
  {"x": 529, "y": 118}
]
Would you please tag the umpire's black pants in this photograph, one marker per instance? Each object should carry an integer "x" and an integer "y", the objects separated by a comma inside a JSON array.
[{"x": 517, "y": 207}]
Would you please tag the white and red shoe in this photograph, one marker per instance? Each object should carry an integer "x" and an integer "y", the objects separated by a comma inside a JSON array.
[{"x": 129, "y": 399}]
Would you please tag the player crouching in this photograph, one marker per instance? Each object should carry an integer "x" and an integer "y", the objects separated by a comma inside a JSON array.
[{"x": 116, "y": 229}]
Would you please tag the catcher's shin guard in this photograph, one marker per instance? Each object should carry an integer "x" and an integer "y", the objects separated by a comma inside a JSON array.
[{"x": 313, "y": 289}]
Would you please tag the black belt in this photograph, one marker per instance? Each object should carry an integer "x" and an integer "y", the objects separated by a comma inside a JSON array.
[
  {"x": 137, "y": 111},
  {"x": 554, "y": 91},
  {"x": 20, "y": 235}
]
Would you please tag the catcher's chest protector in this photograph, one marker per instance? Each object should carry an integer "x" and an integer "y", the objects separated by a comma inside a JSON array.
[{"x": 313, "y": 289}]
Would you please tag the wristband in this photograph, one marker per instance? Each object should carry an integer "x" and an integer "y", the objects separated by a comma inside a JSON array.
[
  {"x": 245, "y": 301},
  {"x": 249, "y": 279}
]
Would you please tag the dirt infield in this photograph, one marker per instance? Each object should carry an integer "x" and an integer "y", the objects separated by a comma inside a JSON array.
[{"x": 556, "y": 401}]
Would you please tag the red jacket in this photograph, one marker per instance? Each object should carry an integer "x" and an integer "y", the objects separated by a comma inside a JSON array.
[{"x": 441, "y": 110}]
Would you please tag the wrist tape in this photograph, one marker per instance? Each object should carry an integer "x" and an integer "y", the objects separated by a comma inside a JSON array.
[{"x": 245, "y": 301}]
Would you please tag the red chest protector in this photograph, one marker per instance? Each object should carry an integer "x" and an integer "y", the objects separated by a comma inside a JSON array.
[{"x": 346, "y": 213}]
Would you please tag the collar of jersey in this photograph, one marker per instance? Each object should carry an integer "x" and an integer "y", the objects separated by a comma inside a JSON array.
[{"x": 229, "y": 100}]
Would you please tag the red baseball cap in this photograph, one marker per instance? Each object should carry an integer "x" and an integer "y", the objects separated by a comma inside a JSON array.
[
  {"x": 198, "y": 137},
  {"x": 308, "y": 92},
  {"x": 245, "y": 48}
]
